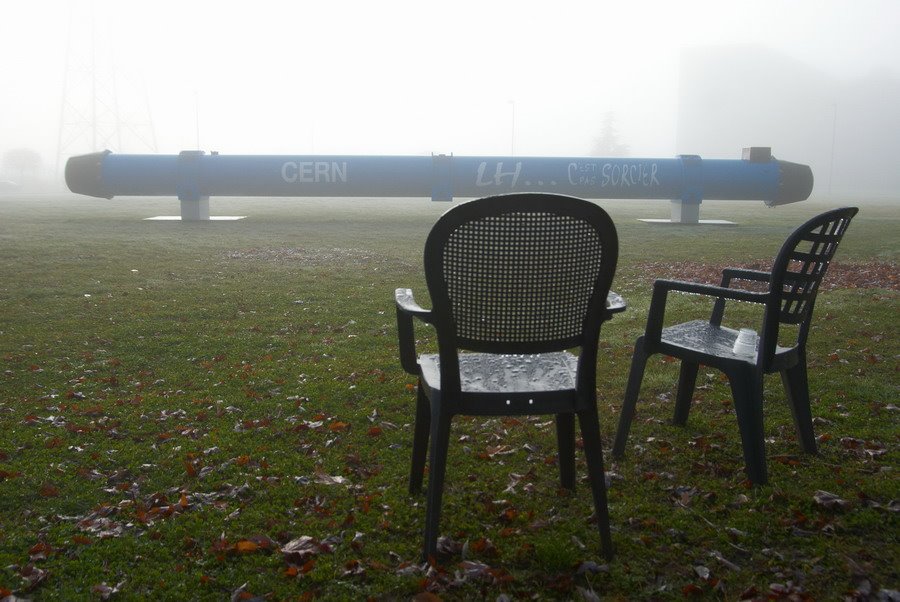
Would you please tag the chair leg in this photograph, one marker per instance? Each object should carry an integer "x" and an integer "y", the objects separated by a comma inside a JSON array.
[
  {"x": 420, "y": 441},
  {"x": 635, "y": 376},
  {"x": 593, "y": 451},
  {"x": 440, "y": 438},
  {"x": 687, "y": 380},
  {"x": 796, "y": 386},
  {"x": 747, "y": 389},
  {"x": 565, "y": 439}
]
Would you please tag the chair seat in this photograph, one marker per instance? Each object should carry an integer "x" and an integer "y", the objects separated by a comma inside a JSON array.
[
  {"x": 709, "y": 341},
  {"x": 490, "y": 373}
]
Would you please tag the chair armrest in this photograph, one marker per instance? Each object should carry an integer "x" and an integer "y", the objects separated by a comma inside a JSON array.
[
  {"x": 407, "y": 308},
  {"x": 729, "y": 274},
  {"x": 407, "y": 304},
  {"x": 661, "y": 290},
  {"x": 711, "y": 290}
]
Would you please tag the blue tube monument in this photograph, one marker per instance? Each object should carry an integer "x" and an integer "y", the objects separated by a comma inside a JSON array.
[{"x": 194, "y": 177}]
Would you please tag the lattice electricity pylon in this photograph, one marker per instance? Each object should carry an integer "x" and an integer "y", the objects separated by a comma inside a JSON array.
[{"x": 103, "y": 105}]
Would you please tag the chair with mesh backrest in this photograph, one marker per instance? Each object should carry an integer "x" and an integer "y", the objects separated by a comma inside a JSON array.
[
  {"x": 517, "y": 282},
  {"x": 788, "y": 302}
]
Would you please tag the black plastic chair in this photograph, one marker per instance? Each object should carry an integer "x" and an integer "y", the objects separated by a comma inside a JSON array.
[
  {"x": 518, "y": 281},
  {"x": 792, "y": 287}
]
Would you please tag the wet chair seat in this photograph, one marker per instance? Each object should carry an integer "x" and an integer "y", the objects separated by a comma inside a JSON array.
[
  {"x": 520, "y": 288},
  {"x": 713, "y": 345},
  {"x": 549, "y": 378},
  {"x": 787, "y": 301}
]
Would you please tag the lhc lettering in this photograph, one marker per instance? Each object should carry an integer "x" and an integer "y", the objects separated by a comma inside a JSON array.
[
  {"x": 613, "y": 174},
  {"x": 308, "y": 172},
  {"x": 499, "y": 174}
]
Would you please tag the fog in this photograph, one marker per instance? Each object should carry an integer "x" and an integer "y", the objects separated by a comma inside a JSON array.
[{"x": 463, "y": 77}]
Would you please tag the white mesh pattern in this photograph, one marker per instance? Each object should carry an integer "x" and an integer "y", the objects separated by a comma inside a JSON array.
[{"x": 521, "y": 277}]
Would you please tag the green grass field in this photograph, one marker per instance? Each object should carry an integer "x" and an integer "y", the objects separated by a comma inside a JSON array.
[{"x": 179, "y": 401}]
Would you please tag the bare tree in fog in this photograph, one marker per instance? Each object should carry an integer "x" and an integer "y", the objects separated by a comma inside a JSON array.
[
  {"x": 23, "y": 163},
  {"x": 607, "y": 144}
]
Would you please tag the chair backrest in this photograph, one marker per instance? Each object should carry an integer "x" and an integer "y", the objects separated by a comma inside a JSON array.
[
  {"x": 520, "y": 273},
  {"x": 798, "y": 271}
]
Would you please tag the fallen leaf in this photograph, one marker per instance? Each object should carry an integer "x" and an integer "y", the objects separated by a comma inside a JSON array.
[
  {"x": 299, "y": 551},
  {"x": 39, "y": 551},
  {"x": 691, "y": 590},
  {"x": 484, "y": 547},
  {"x": 245, "y": 547},
  {"x": 241, "y": 594},
  {"x": 353, "y": 568},
  {"x": 325, "y": 479},
  {"x": 830, "y": 501},
  {"x": 105, "y": 591},
  {"x": 591, "y": 567},
  {"x": 852, "y": 442},
  {"x": 48, "y": 490},
  {"x": 724, "y": 561},
  {"x": 32, "y": 575},
  {"x": 447, "y": 546},
  {"x": 474, "y": 569},
  {"x": 357, "y": 542},
  {"x": 508, "y": 515}
]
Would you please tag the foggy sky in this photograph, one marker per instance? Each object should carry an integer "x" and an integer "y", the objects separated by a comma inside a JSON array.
[{"x": 415, "y": 77}]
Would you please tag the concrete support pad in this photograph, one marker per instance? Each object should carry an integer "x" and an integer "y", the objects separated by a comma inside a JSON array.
[
  {"x": 212, "y": 218},
  {"x": 709, "y": 222}
]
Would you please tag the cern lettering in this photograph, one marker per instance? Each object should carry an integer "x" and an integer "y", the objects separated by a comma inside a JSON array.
[
  {"x": 613, "y": 174},
  {"x": 309, "y": 172}
]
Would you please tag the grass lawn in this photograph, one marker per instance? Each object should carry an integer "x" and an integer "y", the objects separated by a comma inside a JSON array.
[{"x": 216, "y": 411}]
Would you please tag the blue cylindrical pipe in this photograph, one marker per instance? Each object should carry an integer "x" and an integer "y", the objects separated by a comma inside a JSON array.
[{"x": 192, "y": 175}]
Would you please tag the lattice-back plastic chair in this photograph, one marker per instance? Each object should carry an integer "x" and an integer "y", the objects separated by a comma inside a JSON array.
[
  {"x": 517, "y": 282},
  {"x": 792, "y": 287}
]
